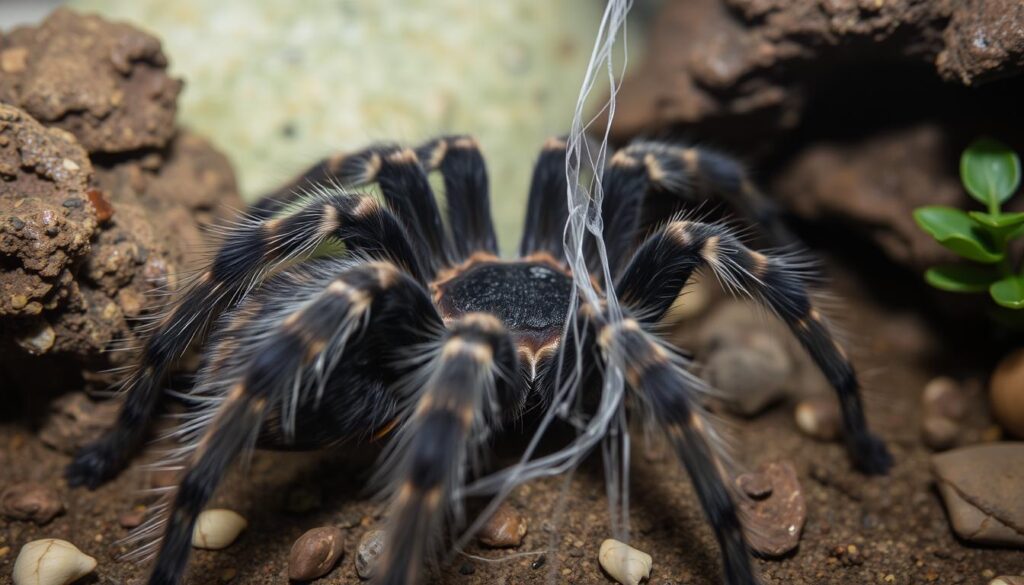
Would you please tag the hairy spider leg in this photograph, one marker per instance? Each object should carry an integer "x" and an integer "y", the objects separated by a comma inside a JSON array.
[
  {"x": 666, "y": 260},
  {"x": 466, "y": 190},
  {"x": 546, "y": 210},
  {"x": 471, "y": 386},
  {"x": 250, "y": 250},
  {"x": 670, "y": 394},
  {"x": 692, "y": 175},
  {"x": 346, "y": 306}
]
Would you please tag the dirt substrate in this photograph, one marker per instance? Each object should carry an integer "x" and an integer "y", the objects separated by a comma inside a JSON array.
[{"x": 885, "y": 530}]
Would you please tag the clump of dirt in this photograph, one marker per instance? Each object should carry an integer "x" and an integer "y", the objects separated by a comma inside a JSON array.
[{"x": 102, "y": 197}]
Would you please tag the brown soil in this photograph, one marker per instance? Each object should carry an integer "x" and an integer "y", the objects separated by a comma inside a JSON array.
[{"x": 859, "y": 530}]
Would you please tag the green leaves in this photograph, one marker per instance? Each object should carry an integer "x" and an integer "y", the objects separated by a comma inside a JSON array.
[
  {"x": 963, "y": 278},
  {"x": 990, "y": 171},
  {"x": 959, "y": 232},
  {"x": 1009, "y": 292}
]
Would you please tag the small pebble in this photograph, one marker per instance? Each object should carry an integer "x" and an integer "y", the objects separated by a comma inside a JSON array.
[
  {"x": 467, "y": 569},
  {"x": 315, "y": 553},
  {"x": 939, "y": 432},
  {"x": 217, "y": 528},
  {"x": 1007, "y": 393},
  {"x": 51, "y": 562},
  {"x": 750, "y": 372},
  {"x": 539, "y": 562},
  {"x": 505, "y": 528},
  {"x": 1007, "y": 580},
  {"x": 31, "y": 501},
  {"x": 371, "y": 545},
  {"x": 819, "y": 417},
  {"x": 133, "y": 518},
  {"x": 773, "y": 524},
  {"x": 943, "y": 396},
  {"x": 624, "y": 563}
]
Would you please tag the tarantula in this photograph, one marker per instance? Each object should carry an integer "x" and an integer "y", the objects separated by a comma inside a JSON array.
[{"x": 422, "y": 335}]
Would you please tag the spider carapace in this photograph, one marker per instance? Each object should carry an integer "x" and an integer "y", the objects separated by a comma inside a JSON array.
[{"x": 417, "y": 334}]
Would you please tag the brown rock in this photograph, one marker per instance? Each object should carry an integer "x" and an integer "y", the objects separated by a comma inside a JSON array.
[
  {"x": 943, "y": 397},
  {"x": 980, "y": 486},
  {"x": 819, "y": 417},
  {"x": 939, "y": 432},
  {"x": 505, "y": 528},
  {"x": 132, "y": 519},
  {"x": 773, "y": 523},
  {"x": 75, "y": 420},
  {"x": 1007, "y": 393},
  {"x": 104, "y": 82},
  {"x": 31, "y": 501},
  {"x": 315, "y": 553},
  {"x": 751, "y": 373}
]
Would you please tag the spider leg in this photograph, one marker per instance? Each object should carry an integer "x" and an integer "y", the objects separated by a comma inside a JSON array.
[
  {"x": 250, "y": 250},
  {"x": 665, "y": 262},
  {"x": 466, "y": 191},
  {"x": 637, "y": 174},
  {"x": 668, "y": 392},
  {"x": 471, "y": 385},
  {"x": 546, "y": 211},
  {"x": 301, "y": 342}
]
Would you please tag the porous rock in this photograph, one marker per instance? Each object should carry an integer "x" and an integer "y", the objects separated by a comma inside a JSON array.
[{"x": 774, "y": 510}]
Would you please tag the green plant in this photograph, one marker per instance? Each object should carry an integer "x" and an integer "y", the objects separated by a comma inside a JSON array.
[{"x": 990, "y": 172}]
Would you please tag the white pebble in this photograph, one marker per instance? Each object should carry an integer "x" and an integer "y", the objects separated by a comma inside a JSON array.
[
  {"x": 216, "y": 529},
  {"x": 624, "y": 563},
  {"x": 51, "y": 562}
]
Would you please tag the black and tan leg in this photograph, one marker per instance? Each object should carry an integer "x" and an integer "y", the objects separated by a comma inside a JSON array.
[
  {"x": 249, "y": 251},
  {"x": 546, "y": 208},
  {"x": 664, "y": 263},
  {"x": 347, "y": 306},
  {"x": 472, "y": 385},
  {"x": 670, "y": 396},
  {"x": 467, "y": 192},
  {"x": 647, "y": 182}
]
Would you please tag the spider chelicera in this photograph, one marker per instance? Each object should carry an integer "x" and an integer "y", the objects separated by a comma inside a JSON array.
[{"x": 420, "y": 334}]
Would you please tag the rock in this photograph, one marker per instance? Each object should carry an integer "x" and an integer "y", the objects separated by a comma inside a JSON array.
[
  {"x": 51, "y": 562},
  {"x": 773, "y": 518},
  {"x": 75, "y": 420},
  {"x": 368, "y": 553},
  {"x": 756, "y": 64},
  {"x": 505, "y": 528},
  {"x": 943, "y": 397},
  {"x": 980, "y": 486},
  {"x": 217, "y": 528},
  {"x": 1006, "y": 392},
  {"x": 315, "y": 553},
  {"x": 104, "y": 82},
  {"x": 1007, "y": 580},
  {"x": 750, "y": 374},
  {"x": 939, "y": 433},
  {"x": 819, "y": 417},
  {"x": 132, "y": 519},
  {"x": 31, "y": 501},
  {"x": 624, "y": 563}
]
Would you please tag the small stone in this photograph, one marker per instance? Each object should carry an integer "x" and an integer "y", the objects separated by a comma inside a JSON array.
[
  {"x": 1007, "y": 393},
  {"x": 104, "y": 210},
  {"x": 31, "y": 501},
  {"x": 51, "y": 562},
  {"x": 624, "y": 563},
  {"x": 980, "y": 486},
  {"x": 505, "y": 528},
  {"x": 217, "y": 528},
  {"x": 539, "y": 562},
  {"x": 939, "y": 432},
  {"x": 368, "y": 553},
  {"x": 773, "y": 524},
  {"x": 751, "y": 372},
  {"x": 467, "y": 569},
  {"x": 75, "y": 420},
  {"x": 133, "y": 518},
  {"x": 315, "y": 553},
  {"x": 39, "y": 339},
  {"x": 228, "y": 574},
  {"x": 1007, "y": 580},
  {"x": 819, "y": 417},
  {"x": 943, "y": 397}
]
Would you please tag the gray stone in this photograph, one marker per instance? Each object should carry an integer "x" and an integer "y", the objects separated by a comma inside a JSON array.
[{"x": 981, "y": 487}]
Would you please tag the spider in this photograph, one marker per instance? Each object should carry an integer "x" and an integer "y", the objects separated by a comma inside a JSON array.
[{"x": 418, "y": 333}]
